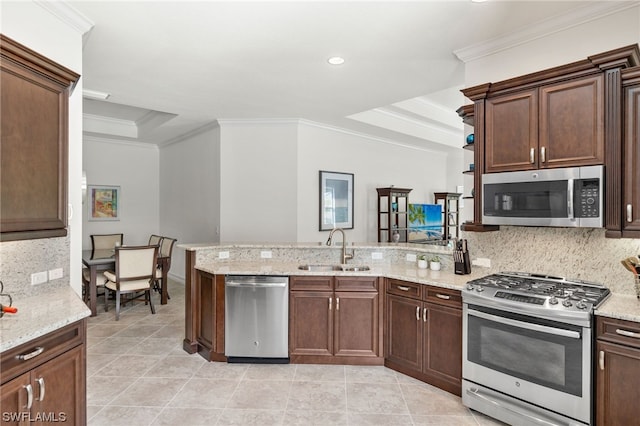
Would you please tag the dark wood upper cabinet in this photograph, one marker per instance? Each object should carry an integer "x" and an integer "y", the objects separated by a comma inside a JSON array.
[
  {"x": 631, "y": 154},
  {"x": 33, "y": 143}
]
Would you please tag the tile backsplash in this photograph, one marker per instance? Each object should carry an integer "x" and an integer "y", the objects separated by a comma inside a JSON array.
[
  {"x": 19, "y": 259},
  {"x": 582, "y": 253}
]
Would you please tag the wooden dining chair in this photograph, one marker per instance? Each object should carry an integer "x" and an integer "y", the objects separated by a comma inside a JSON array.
[
  {"x": 166, "y": 249},
  {"x": 155, "y": 240},
  {"x": 135, "y": 273},
  {"x": 99, "y": 242}
]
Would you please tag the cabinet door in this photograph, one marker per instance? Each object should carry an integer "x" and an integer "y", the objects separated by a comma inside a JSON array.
[
  {"x": 13, "y": 400},
  {"x": 512, "y": 132},
  {"x": 443, "y": 343},
  {"x": 357, "y": 329},
  {"x": 311, "y": 323},
  {"x": 617, "y": 390},
  {"x": 59, "y": 389},
  {"x": 404, "y": 331},
  {"x": 572, "y": 123},
  {"x": 631, "y": 167}
]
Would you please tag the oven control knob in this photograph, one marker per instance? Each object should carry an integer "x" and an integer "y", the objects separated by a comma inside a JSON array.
[
  {"x": 581, "y": 304},
  {"x": 479, "y": 288},
  {"x": 567, "y": 303},
  {"x": 553, "y": 300},
  {"x": 469, "y": 286}
]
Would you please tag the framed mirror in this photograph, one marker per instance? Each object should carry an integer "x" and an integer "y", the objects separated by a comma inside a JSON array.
[{"x": 336, "y": 200}]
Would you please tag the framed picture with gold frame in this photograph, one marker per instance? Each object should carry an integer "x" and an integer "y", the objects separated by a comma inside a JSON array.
[{"x": 104, "y": 202}]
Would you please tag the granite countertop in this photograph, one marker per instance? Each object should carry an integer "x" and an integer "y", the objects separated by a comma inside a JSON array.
[
  {"x": 444, "y": 278},
  {"x": 616, "y": 306},
  {"x": 41, "y": 314},
  {"x": 620, "y": 306}
]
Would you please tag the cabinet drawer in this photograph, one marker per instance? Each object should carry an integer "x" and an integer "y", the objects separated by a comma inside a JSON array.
[
  {"x": 29, "y": 355},
  {"x": 314, "y": 283},
  {"x": 618, "y": 331},
  {"x": 356, "y": 283},
  {"x": 404, "y": 288},
  {"x": 442, "y": 296}
]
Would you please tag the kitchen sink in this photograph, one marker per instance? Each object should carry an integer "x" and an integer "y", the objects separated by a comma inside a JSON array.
[{"x": 328, "y": 268}]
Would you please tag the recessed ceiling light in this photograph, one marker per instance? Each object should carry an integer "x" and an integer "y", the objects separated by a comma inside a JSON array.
[{"x": 336, "y": 60}]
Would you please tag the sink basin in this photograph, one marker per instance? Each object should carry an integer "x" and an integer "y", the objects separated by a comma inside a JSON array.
[
  {"x": 355, "y": 268},
  {"x": 320, "y": 268},
  {"x": 328, "y": 268}
]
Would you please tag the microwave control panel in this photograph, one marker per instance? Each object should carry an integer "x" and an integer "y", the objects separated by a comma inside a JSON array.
[{"x": 587, "y": 198}]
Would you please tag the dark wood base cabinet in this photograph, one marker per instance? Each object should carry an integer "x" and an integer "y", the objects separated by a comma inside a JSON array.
[
  {"x": 44, "y": 381},
  {"x": 209, "y": 326},
  {"x": 423, "y": 333},
  {"x": 335, "y": 320},
  {"x": 617, "y": 372}
]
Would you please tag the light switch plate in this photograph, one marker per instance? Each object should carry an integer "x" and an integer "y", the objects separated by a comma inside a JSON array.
[
  {"x": 54, "y": 274},
  {"x": 38, "y": 278},
  {"x": 376, "y": 255},
  {"x": 265, "y": 254},
  {"x": 411, "y": 257},
  {"x": 223, "y": 255}
]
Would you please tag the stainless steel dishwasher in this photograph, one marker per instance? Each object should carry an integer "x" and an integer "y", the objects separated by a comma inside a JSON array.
[{"x": 256, "y": 318}]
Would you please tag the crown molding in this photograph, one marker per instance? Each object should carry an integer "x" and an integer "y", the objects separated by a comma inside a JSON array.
[
  {"x": 188, "y": 135},
  {"x": 541, "y": 29},
  {"x": 262, "y": 121},
  {"x": 91, "y": 138},
  {"x": 67, "y": 14}
]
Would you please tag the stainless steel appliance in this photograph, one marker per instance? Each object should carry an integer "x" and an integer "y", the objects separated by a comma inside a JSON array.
[
  {"x": 570, "y": 197},
  {"x": 527, "y": 345},
  {"x": 256, "y": 326}
]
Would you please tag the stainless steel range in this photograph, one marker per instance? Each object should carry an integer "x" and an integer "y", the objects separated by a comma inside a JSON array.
[{"x": 527, "y": 345}]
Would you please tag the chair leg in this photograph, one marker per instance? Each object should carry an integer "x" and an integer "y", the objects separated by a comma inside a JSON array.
[
  {"x": 117, "y": 305},
  {"x": 106, "y": 299},
  {"x": 148, "y": 295}
]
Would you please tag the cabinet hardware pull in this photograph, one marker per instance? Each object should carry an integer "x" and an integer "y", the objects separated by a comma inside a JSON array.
[
  {"x": 29, "y": 395},
  {"x": 443, "y": 296},
  {"x": 337, "y": 303},
  {"x": 417, "y": 313},
  {"x": 41, "y": 383},
  {"x": 543, "y": 154},
  {"x": 601, "y": 360},
  {"x": 330, "y": 302},
  {"x": 424, "y": 315},
  {"x": 532, "y": 155},
  {"x": 628, "y": 333},
  {"x": 629, "y": 213},
  {"x": 26, "y": 357},
  {"x": 403, "y": 288}
]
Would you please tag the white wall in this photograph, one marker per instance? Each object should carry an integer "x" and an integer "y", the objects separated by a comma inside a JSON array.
[
  {"x": 135, "y": 168},
  {"x": 258, "y": 196},
  {"x": 32, "y": 25},
  {"x": 374, "y": 163},
  {"x": 190, "y": 192}
]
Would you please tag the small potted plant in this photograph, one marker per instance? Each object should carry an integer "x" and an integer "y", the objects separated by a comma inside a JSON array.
[
  {"x": 434, "y": 263},
  {"x": 422, "y": 262}
]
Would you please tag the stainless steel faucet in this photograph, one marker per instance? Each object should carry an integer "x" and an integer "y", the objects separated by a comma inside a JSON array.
[{"x": 345, "y": 256}]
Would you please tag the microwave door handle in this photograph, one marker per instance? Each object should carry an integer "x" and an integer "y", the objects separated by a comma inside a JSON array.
[
  {"x": 570, "y": 199},
  {"x": 528, "y": 326}
]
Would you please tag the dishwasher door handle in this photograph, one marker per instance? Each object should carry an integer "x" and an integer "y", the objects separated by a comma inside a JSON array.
[{"x": 255, "y": 285}]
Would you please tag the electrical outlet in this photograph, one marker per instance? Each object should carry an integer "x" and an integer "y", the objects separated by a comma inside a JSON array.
[
  {"x": 482, "y": 262},
  {"x": 38, "y": 277},
  {"x": 266, "y": 254},
  {"x": 223, "y": 255},
  {"x": 54, "y": 274},
  {"x": 411, "y": 257},
  {"x": 376, "y": 255}
]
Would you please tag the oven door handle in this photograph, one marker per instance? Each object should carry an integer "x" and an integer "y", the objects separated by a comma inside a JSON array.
[
  {"x": 520, "y": 324},
  {"x": 476, "y": 393}
]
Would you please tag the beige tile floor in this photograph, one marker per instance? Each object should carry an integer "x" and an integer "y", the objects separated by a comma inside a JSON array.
[{"x": 138, "y": 374}]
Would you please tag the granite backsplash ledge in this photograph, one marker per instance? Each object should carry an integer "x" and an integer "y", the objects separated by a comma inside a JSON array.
[{"x": 582, "y": 253}]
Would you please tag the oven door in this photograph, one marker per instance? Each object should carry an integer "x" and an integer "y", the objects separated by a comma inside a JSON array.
[{"x": 542, "y": 362}]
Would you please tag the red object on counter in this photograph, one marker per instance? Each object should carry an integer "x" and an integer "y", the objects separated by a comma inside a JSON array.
[{"x": 8, "y": 309}]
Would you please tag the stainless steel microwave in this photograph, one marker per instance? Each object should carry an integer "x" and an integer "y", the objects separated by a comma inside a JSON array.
[{"x": 565, "y": 197}]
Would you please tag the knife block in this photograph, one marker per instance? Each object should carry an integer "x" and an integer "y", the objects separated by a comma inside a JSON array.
[{"x": 462, "y": 262}]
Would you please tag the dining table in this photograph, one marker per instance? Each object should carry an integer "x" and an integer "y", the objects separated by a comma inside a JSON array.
[{"x": 103, "y": 260}]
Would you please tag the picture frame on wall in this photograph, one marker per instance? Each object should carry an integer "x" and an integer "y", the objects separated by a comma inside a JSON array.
[
  {"x": 104, "y": 202},
  {"x": 336, "y": 200}
]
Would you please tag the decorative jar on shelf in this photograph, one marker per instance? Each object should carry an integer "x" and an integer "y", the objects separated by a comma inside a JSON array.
[{"x": 395, "y": 237}]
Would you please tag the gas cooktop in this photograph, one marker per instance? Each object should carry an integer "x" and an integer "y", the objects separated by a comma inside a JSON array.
[{"x": 543, "y": 295}]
